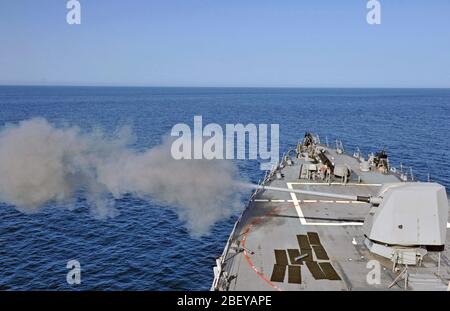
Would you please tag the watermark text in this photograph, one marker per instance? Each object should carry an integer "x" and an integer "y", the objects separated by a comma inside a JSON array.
[{"x": 213, "y": 142}]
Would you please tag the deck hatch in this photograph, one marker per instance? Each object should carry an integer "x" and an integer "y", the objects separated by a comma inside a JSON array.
[
  {"x": 294, "y": 275},
  {"x": 278, "y": 273},
  {"x": 313, "y": 238},
  {"x": 329, "y": 271},
  {"x": 303, "y": 241},
  {"x": 315, "y": 270},
  {"x": 320, "y": 252},
  {"x": 281, "y": 257},
  {"x": 294, "y": 253},
  {"x": 310, "y": 254}
]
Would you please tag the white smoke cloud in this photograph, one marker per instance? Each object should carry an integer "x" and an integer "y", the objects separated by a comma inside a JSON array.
[{"x": 40, "y": 164}]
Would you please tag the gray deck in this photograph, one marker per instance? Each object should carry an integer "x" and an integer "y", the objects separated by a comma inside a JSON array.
[{"x": 273, "y": 220}]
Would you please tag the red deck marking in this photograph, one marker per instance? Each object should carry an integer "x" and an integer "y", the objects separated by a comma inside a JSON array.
[{"x": 254, "y": 222}]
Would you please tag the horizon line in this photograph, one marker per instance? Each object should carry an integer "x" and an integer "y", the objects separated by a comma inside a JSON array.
[{"x": 224, "y": 86}]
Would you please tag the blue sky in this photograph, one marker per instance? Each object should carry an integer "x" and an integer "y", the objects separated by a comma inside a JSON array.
[{"x": 279, "y": 43}]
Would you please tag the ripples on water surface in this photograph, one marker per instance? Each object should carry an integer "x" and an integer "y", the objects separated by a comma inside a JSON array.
[{"x": 146, "y": 247}]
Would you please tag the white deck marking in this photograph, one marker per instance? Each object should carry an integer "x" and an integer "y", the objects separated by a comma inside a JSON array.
[
  {"x": 335, "y": 184},
  {"x": 335, "y": 224},
  {"x": 297, "y": 206},
  {"x": 302, "y": 219},
  {"x": 307, "y": 201}
]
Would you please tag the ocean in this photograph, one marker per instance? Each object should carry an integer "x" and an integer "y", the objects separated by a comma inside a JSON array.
[{"x": 146, "y": 246}]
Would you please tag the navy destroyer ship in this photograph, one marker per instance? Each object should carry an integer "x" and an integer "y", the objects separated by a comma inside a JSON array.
[{"x": 323, "y": 219}]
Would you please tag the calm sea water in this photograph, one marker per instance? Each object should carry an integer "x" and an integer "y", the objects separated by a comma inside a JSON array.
[{"x": 146, "y": 247}]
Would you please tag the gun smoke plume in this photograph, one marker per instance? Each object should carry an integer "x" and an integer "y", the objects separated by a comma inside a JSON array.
[{"x": 41, "y": 164}]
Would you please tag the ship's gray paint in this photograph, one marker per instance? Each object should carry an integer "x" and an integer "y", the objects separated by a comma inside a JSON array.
[{"x": 272, "y": 219}]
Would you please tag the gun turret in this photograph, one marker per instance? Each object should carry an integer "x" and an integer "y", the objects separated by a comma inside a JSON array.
[{"x": 405, "y": 218}]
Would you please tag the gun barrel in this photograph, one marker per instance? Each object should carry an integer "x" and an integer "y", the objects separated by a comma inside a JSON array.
[{"x": 366, "y": 199}]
